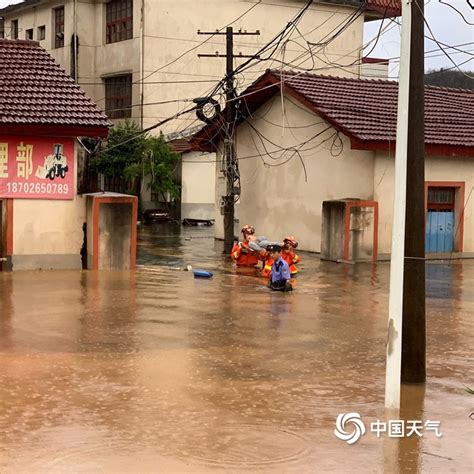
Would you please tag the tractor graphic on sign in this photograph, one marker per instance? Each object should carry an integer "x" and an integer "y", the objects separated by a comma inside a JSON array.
[{"x": 55, "y": 165}]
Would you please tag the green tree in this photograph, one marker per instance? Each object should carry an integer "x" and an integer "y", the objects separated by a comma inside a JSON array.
[
  {"x": 133, "y": 155},
  {"x": 125, "y": 146},
  {"x": 159, "y": 164}
]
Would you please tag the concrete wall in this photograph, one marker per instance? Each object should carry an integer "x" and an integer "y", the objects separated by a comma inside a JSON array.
[
  {"x": 114, "y": 236},
  {"x": 442, "y": 169},
  {"x": 375, "y": 71},
  {"x": 276, "y": 198},
  {"x": 48, "y": 234},
  {"x": 198, "y": 185}
]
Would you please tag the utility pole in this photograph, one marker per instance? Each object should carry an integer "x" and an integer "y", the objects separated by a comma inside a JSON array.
[
  {"x": 230, "y": 166},
  {"x": 406, "y": 343},
  {"x": 414, "y": 319},
  {"x": 142, "y": 63}
]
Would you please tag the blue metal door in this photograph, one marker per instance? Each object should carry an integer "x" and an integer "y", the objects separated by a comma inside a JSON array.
[{"x": 439, "y": 231}]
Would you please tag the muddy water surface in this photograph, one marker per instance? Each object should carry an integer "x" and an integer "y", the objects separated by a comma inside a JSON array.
[{"x": 154, "y": 371}]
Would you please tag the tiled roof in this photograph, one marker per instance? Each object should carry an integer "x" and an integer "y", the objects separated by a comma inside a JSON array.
[
  {"x": 181, "y": 141},
  {"x": 181, "y": 145},
  {"x": 366, "y": 110},
  {"x": 35, "y": 90},
  {"x": 385, "y": 7}
]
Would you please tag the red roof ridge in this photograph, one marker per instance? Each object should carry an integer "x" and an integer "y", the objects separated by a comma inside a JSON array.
[
  {"x": 372, "y": 60},
  {"x": 359, "y": 80},
  {"x": 330, "y": 76},
  {"x": 449, "y": 89}
]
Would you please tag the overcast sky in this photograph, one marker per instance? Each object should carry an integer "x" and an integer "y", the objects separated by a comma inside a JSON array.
[{"x": 447, "y": 26}]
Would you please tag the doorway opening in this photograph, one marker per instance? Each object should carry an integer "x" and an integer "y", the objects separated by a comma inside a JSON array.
[{"x": 444, "y": 217}]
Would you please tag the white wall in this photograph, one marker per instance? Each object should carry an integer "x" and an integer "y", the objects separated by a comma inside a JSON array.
[
  {"x": 374, "y": 71},
  {"x": 275, "y": 198},
  {"x": 198, "y": 185}
]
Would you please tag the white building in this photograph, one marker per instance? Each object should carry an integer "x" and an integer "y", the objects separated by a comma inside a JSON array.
[
  {"x": 138, "y": 58},
  {"x": 337, "y": 141}
]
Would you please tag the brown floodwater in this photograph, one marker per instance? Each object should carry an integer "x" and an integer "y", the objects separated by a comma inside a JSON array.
[{"x": 154, "y": 371}]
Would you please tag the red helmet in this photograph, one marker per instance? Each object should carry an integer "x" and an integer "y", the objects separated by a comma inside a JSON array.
[
  {"x": 248, "y": 230},
  {"x": 291, "y": 241}
]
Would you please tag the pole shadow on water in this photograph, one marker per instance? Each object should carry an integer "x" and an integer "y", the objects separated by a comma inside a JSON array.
[{"x": 404, "y": 454}]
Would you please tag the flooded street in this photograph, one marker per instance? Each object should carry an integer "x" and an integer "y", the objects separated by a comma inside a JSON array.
[{"x": 154, "y": 371}]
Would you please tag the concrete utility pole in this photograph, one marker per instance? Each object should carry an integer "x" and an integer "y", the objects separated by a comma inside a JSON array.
[
  {"x": 406, "y": 343},
  {"x": 230, "y": 166}
]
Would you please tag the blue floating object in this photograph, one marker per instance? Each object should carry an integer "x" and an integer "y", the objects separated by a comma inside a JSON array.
[{"x": 202, "y": 274}]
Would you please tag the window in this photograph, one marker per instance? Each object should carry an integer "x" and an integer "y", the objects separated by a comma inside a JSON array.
[
  {"x": 441, "y": 199},
  {"x": 14, "y": 29},
  {"x": 2, "y": 27},
  {"x": 119, "y": 20},
  {"x": 29, "y": 34},
  {"x": 59, "y": 27},
  {"x": 118, "y": 96},
  {"x": 41, "y": 33}
]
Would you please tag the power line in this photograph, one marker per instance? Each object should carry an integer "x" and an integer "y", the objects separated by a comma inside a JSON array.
[
  {"x": 151, "y": 82},
  {"x": 438, "y": 43},
  {"x": 291, "y": 26},
  {"x": 148, "y": 129},
  {"x": 258, "y": 155},
  {"x": 456, "y": 66},
  {"x": 174, "y": 101},
  {"x": 140, "y": 81},
  {"x": 205, "y": 41},
  {"x": 458, "y": 11},
  {"x": 442, "y": 47},
  {"x": 279, "y": 37},
  {"x": 330, "y": 66}
]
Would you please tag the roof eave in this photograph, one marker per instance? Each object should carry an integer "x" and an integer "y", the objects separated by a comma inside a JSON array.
[
  {"x": 94, "y": 131},
  {"x": 431, "y": 149},
  {"x": 18, "y": 6},
  {"x": 269, "y": 83}
]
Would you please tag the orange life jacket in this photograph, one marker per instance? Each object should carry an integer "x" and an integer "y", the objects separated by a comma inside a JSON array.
[
  {"x": 291, "y": 258},
  {"x": 267, "y": 268},
  {"x": 243, "y": 255}
]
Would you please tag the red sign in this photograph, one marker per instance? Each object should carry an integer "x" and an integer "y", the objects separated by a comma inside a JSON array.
[{"x": 36, "y": 168}]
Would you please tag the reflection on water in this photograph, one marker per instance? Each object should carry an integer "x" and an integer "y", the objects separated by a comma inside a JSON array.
[{"x": 155, "y": 371}]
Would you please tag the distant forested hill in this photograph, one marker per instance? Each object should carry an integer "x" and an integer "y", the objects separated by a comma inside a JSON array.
[{"x": 450, "y": 78}]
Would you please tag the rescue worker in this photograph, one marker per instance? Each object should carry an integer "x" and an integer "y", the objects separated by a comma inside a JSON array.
[
  {"x": 242, "y": 253},
  {"x": 289, "y": 255},
  {"x": 280, "y": 277}
]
